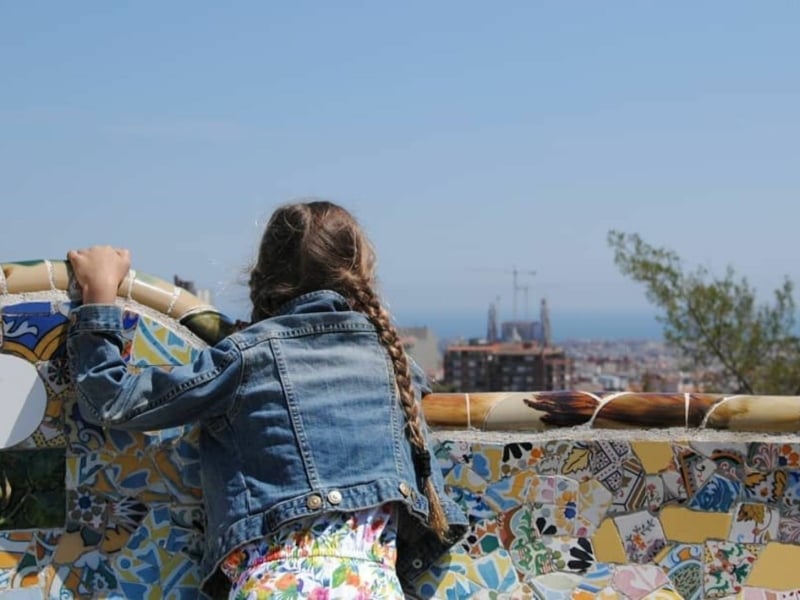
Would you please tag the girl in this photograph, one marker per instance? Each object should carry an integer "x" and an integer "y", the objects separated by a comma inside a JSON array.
[{"x": 317, "y": 477}]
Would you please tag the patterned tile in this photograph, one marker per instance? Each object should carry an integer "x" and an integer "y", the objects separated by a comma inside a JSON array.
[
  {"x": 642, "y": 536},
  {"x": 718, "y": 494},
  {"x": 683, "y": 565},
  {"x": 637, "y": 581},
  {"x": 727, "y": 565},
  {"x": 755, "y": 523}
]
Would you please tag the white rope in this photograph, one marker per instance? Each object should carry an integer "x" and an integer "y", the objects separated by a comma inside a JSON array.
[
  {"x": 687, "y": 400},
  {"x": 469, "y": 412},
  {"x": 131, "y": 278},
  {"x": 601, "y": 402},
  {"x": 3, "y": 282},
  {"x": 175, "y": 294},
  {"x": 51, "y": 275}
]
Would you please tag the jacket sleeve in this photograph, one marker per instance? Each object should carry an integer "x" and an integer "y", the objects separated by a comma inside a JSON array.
[{"x": 111, "y": 393}]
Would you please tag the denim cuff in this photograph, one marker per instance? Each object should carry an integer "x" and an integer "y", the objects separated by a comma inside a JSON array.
[{"x": 95, "y": 317}]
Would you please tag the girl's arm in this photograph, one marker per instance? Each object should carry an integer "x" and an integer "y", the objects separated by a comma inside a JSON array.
[{"x": 110, "y": 393}]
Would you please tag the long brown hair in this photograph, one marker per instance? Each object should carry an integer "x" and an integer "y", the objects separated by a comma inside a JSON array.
[{"x": 319, "y": 245}]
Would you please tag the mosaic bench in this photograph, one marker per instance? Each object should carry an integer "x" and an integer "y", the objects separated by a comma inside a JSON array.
[{"x": 570, "y": 495}]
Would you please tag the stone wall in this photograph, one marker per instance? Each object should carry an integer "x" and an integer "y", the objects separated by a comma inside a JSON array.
[{"x": 570, "y": 495}]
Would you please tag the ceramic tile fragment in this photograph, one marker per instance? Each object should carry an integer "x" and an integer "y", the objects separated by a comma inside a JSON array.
[
  {"x": 689, "y": 526},
  {"x": 641, "y": 534},
  {"x": 718, "y": 494},
  {"x": 637, "y": 581},
  {"x": 754, "y": 523},
  {"x": 555, "y": 586},
  {"x": 607, "y": 543},
  {"x": 654, "y": 456},
  {"x": 770, "y": 569},
  {"x": 683, "y": 565},
  {"x": 727, "y": 567},
  {"x": 760, "y": 486},
  {"x": 791, "y": 496}
]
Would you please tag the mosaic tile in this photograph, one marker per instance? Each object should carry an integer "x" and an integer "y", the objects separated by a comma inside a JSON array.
[
  {"x": 763, "y": 457},
  {"x": 487, "y": 462},
  {"x": 33, "y": 331},
  {"x": 718, "y": 494},
  {"x": 755, "y": 523},
  {"x": 776, "y": 568},
  {"x": 482, "y": 538},
  {"x": 727, "y": 566},
  {"x": 155, "y": 344},
  {"x": 641, "y": 534},
  {"x": 789, "y": 456},
  {"x": 791, "y": 496},
  {"x": 683, "y": 565},
  {"x": 607, "y": 543},
  {"x": 462, "y": 476},
  {"x": 508, "y": 493},
  {"x": 760, "y": 486},
  {"x": 593, "y": 503},
  {"x": 753, "y": 593},
  {"x": 555, "y": 586},
  {"x": 595, "y": 579},
  {"x": 684, "y": 525},
  {"x": 637, "y": 581},
  {"x": 654, "y": 456},
  {"x": 674, "y": 488},
  {"x": 789, "y": 530},
  {"x": 695, "y": 471},
  {"x": 665, "y": 593},
  {"x": 577, "y": 464},
  {"x": 555, "y": 454}
]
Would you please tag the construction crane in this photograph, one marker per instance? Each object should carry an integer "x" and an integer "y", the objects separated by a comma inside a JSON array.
[{"x": 515, "y": 273}]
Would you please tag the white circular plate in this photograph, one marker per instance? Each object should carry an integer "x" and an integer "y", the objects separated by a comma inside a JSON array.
[{"x": 23, "y": 400}]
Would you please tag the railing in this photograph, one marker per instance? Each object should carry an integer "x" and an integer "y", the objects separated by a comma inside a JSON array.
[{"x": 570, "y": 494}]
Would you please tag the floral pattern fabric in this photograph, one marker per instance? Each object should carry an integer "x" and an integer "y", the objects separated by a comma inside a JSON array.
[{"x": 335, "y": 556}]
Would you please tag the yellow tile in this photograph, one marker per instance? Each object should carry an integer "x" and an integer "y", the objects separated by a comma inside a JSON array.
[
  {"x": 607, "y": 544},
  {"x": 655, "y": 456},
  {"x": 694, "y": 527},
  {"x": 773, "y": 568}
]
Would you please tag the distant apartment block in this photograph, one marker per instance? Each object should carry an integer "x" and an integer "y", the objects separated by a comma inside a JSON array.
[
  {"x": 516, "y": 366},
  {"x": 422, "y": 345}
]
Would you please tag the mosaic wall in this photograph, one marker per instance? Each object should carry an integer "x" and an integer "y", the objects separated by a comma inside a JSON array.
[{"x": 93, "y": 513}]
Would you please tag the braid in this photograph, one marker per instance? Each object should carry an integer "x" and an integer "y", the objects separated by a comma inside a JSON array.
[{"x": 367, "y": 302}]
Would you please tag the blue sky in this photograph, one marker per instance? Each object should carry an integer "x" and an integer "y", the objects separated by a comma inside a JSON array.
[{"x": 467, "y": 137}]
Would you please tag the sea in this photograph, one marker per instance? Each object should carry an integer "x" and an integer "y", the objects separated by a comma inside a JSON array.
[{"x": 564, "y": 325}]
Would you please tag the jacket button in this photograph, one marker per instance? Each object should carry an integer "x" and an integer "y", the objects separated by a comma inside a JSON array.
[
  {"x": 334, "y": 496},
  {"x": 314, "y": 502},
  {"x": 404, "y": 489},
  {"x": 417, "y": 563}
]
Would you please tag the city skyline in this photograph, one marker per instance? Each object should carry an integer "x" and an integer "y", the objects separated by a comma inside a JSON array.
[{"x": 468, "y": 140}]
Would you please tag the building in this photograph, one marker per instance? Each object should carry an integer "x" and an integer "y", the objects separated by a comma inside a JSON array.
[
  {"x": 516, "y": 366},
  {"x": 422, "y": 345}
]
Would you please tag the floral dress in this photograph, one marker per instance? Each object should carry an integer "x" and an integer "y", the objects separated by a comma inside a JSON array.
[{"x": 334, "y": 556}]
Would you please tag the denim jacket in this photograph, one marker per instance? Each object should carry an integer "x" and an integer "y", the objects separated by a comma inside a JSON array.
[{"x": 299, "y": 415}]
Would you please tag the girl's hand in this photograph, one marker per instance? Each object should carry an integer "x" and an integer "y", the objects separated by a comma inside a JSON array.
[{"x": 99, "y": 271}]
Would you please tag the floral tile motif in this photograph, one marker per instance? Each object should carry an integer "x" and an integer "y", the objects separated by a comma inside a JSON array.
[
  {"x": 86, "y": 509},
  {"x": 764, "y": 486},
  {"x": 763, "y": 457},
  {"x": 754, "y": 523},
  {"x": 578, "y": 464},
  {"x": 654, "y": 493},
  {"x": 789, "y": 530},
  {"x": 683, "y": 565},
  {"x": 637, "y": 581},
  {"x": 642, "y": 536},
  {"x": 727, "y": 565},
  {"x": 718, "y": 494},
  {"x": 493, "y": 571},
  {"x": 630, "y": 494}
]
